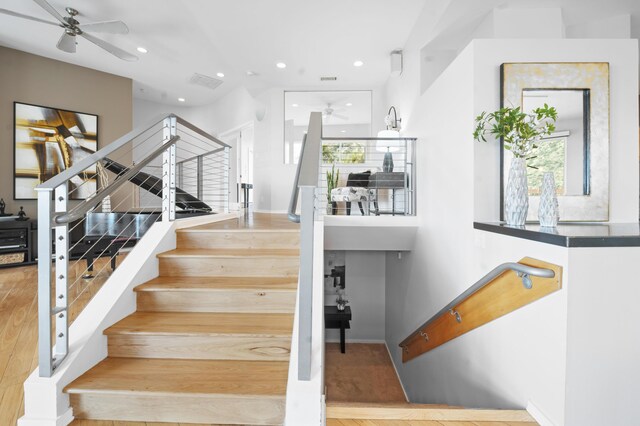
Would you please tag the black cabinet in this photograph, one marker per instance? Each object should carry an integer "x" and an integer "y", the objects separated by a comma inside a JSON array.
[{"x": 16, "y": 243}]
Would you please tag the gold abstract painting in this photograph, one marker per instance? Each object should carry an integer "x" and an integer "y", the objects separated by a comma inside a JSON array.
[{"x": 48, "y": 141}]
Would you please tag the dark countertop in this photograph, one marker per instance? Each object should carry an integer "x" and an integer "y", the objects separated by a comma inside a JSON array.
[{"x": 571, "y": 234}]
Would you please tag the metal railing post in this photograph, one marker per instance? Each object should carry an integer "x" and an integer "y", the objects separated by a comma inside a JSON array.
[
  {"x": 307, "y": 208},
  {"x": 169, "y": 171},
  {"x": 45, "y": 361},
  {"x": 227, "y": 173},
  {"x": 61, "y": 276},
  {"x": 200, "y": 176}
]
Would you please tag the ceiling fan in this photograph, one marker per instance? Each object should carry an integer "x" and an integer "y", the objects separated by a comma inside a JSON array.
[
  {"x": 328, "y": 113},
  {"x": 73, "y": 28}
]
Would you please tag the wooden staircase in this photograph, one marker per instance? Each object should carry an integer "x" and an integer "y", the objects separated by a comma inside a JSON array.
[{"x": 211, "y": 337}]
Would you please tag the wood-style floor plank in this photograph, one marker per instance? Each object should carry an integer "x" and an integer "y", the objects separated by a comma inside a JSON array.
[{"x": 19, "y": 329}]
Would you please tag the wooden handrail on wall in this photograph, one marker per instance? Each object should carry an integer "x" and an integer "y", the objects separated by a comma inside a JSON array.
[{"x": 502, "y": 295}]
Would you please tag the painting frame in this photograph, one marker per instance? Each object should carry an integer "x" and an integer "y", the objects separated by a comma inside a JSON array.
[{"x": 89, "y": 143}]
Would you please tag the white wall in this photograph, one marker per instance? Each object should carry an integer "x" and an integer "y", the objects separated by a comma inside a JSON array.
[
  {"x": 603, "y": 339},
  {"x": 365, "y": 290},
  {"x": 519, "y": 358}
]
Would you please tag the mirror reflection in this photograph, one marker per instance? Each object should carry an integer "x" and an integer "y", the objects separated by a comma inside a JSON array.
[
  {"x": 344, "y": 114},
  {"x": 566, "y": 151}
]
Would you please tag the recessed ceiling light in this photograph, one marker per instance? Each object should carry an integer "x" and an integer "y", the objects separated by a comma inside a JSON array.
[
  {"x": 348, "y": 104},
  {"x": 294, "y": 105},
  {"x": 142, "y": 49},
  {"x": 343, "y": 131},
  {"x": 281, "y": 65},
  {"x": 358, "y": 63},
  {"x": 181, "y": 99},
  {"x": 220, "y": 74}
]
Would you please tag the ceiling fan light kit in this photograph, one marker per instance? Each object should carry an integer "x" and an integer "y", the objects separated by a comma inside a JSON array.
[{"x": 72, "y": 28}]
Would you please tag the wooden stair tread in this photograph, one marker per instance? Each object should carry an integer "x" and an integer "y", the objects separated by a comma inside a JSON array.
[
  {"x": 204, "y": 323},
  {"x": 258, "y": 221},
  {"x": 230, "y": 252},
  {"x": 387, "y": 405},
  {"x": 219, "y": 283},
  {"x": 180, "y": 376},
  {"x": 207, "y": 229},
  {"x": 423, "y": 412}
]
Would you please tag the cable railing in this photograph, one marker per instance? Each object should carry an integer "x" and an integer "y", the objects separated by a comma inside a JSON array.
[
  {"x": 367, "y": 176},
  {"x": 493, "y": 295},
  {"x": 94, "y": 211}
]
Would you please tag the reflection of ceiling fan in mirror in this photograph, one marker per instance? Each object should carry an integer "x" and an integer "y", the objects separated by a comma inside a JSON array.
[
  {"x": 329, "y": 114},
  {"x": 73, "y": 28}
]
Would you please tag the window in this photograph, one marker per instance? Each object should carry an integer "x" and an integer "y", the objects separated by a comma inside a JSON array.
[{"x": 343, "y": 152}]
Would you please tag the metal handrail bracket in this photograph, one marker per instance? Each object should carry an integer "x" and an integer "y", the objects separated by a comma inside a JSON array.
[{"x": 523, "y": 271}]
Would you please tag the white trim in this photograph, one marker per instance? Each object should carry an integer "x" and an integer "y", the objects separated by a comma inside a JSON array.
[
  {"x": 397, "y": 374},
  {"x": 63, "y": 420},
  {"x": 537, "y": 414}
]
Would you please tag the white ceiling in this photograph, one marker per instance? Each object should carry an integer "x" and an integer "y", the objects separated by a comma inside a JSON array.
[{"x": 314, "y": 38}]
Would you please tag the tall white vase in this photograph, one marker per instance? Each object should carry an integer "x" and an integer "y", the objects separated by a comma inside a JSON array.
[
  {"x": 516, "y": 202},
  {"x": 548, "y": 211}
]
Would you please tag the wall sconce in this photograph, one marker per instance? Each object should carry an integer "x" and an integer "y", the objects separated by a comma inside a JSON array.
[{"x": 387, "y": 145}]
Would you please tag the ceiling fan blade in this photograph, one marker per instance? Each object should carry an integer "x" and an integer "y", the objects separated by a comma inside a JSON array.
[
  {"x": 116, "y": 51},
  {"x": 31, "y": 18},
  {"x": 46, "y": 6},
  {"x": 67, "y": 43},
  {"x": 341, "y": 117},
  {"x": 109, "y": 27}
]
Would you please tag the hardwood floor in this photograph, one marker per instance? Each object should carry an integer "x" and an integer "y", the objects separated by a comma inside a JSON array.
[{"x": 19, "y": 326}]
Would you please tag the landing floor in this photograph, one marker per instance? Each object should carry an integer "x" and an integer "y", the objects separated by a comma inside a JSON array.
[
  {"x": 363, "y": 374},
  {"x": 252, "y": 221}
]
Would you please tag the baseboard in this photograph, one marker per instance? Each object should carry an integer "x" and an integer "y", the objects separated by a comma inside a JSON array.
[
  {"x": 538, "y": 415},
  {"x": 396, "y": 370},
  {"x": 63, "y": 420}
]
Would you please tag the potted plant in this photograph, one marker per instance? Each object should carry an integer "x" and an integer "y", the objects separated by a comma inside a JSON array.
[
  {"x": 520, "y": 133},
  {"x": 332, "y": 182}
]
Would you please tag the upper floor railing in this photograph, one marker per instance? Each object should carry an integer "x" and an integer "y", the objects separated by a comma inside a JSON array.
[
  {"x": 94, "y": 210},
  {"x": 367, "y": 176}
]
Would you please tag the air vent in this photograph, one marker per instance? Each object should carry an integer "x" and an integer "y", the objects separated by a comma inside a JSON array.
[
  {"x": 205, "y": 81},
  {"x": 328, "y": 78}
]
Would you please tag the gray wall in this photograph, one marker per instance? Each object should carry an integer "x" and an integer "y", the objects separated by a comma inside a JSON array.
[
  {"x": 37, "y": 80},
  {"x": 365, "y": 290}
]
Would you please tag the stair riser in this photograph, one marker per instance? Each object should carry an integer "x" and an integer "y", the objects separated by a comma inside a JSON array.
[
  {"x": 201, "y": 347},
  {"x": 229, "y": 266},
  {"x": 261, "y": 301},
  {"x": 179, "y": 408},
  {"x": 256, "y": 240}
]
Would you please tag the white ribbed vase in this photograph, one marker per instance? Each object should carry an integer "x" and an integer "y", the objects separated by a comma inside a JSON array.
[
  {"x": 548, "y": 211},
  {"x": 516, "y": 197}
]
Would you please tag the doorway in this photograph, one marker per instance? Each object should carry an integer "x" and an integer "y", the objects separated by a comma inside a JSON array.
[{"x": 241, "y": 159}]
